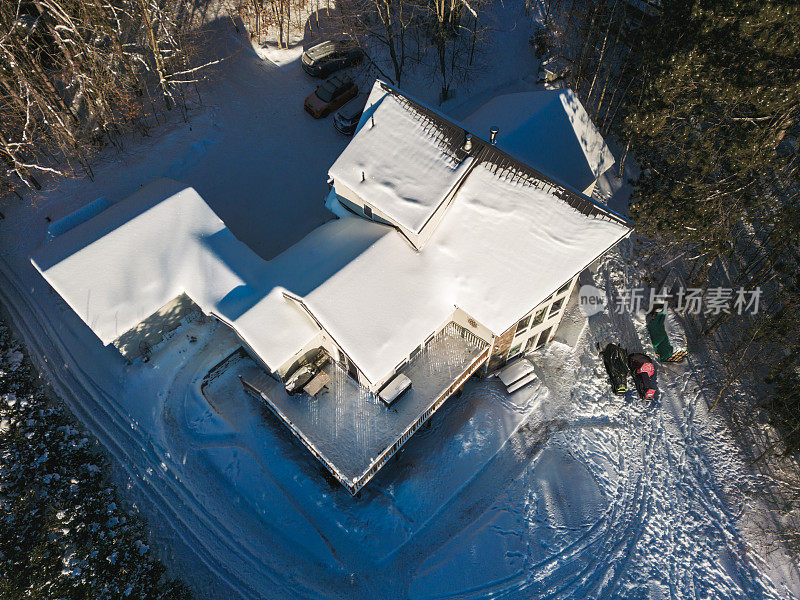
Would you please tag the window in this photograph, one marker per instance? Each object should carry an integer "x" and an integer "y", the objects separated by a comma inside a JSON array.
[
  {"x": 352, "y": 370},
  {"x": 416, "y": 352},
  {"x": 514, "y": 351},
  {"x": 563, "y": 288},
  {"x": 556, "y": 306},
  {"x": 529, "y": 345},
  {"x": 543, "y": 337},
  {"x": 539, "y": 317},
  {"x": 368, "y": 211},
  {"x": 523, "y": 324}
]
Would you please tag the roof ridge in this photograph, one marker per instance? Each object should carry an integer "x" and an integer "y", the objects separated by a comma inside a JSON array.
[{"x": 451, "y": 139}]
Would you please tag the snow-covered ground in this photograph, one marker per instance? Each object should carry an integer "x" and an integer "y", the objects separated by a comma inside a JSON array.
[{"x": 593, "y": 496}]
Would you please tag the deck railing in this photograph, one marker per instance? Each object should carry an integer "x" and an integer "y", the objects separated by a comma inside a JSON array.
[
  {"x": 384, "y": 456},
  {"x": 355, "y": 484}
]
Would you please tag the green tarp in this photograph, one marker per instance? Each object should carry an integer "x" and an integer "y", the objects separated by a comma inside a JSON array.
[{"x": 658, "y": 335}]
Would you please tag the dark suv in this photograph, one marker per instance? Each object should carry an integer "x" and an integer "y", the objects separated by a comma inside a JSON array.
[
  {"x": 331, "y": 56},
  {"x": 346, "y": 120},
  {"x": 330, "y": 95}
]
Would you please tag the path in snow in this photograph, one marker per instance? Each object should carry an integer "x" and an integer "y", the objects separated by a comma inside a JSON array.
[
  {"x": 625, "y": 502},
  {"x": 593, "y": 497}
]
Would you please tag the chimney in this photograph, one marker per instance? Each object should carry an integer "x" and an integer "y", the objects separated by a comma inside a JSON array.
[
  {"x": 468, "y": 142},
  {"x": 493, "y": 135}
]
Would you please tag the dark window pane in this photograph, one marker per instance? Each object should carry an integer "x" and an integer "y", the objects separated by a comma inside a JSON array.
[
  {"x": 523, "y": 324},
  {"x": 539, "y": 317},
  {"x": 325, "y": 93},
  {"x": 543, "y": 337}
]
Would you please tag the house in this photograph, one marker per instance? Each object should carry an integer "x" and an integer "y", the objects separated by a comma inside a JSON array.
[{"x": 450, "y": 257}]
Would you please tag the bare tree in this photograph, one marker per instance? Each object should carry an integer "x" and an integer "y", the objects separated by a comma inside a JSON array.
[
  {"x": 380, "y": 26},
  {"x": 74, "y": 74},
  {"x": 455, "y": 29}
]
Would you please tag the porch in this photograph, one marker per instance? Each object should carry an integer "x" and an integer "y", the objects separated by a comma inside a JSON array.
[{"x": 351, "y": 431}]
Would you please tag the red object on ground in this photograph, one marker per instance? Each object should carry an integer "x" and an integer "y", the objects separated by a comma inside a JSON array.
[{"x": 647, "y": 368}]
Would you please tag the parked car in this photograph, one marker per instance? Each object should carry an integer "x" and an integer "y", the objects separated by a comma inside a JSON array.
[
  {"x": 346, "y": 120},
  {"x": 615, "y": 359},
  {"x": 330, "y": 95},
  {"x": 643, "y": 371},
  {"x": 328, "y": 57}
]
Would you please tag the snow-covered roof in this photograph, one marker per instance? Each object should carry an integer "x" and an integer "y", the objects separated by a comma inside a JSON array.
[
  {"x": 396, "y": 163},
  {"x": 503, "y": 247},
  {"x": 550, "y": 131},
  {"x": 509, "y": 238},
  {"x": 131, "y": 259}
]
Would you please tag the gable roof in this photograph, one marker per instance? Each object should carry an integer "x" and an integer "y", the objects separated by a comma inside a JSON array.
[
  {"x": 550, "y": 131},
  {"x": 125, "y": 263},
  {"x": 398, "y": 165},
  {"x": 503, "y": 247}
]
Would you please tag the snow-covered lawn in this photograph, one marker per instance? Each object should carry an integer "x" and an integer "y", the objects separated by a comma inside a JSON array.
[{"x": 591, "y": 497}]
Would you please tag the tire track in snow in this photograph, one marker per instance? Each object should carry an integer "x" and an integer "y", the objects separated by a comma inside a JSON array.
[{"x": 163, "y": 490}]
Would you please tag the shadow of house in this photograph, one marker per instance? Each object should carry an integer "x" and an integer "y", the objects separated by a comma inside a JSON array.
[{"x": 138, "y": 341}]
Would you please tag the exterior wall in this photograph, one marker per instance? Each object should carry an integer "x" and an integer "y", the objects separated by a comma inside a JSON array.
[
  {"x": 353, "y": 201},
  {"x": 349, "y": 199},
  {"x": 500, "y": 350},
  {"x": 138, "y": 340},
  {"x": 459, "y": 317},
  {"x": 462, "y": 318},
  {"x": 293, "y": 362},
  {"x": 384, "y": 380},
  {"x": 534, "y": 330}
]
